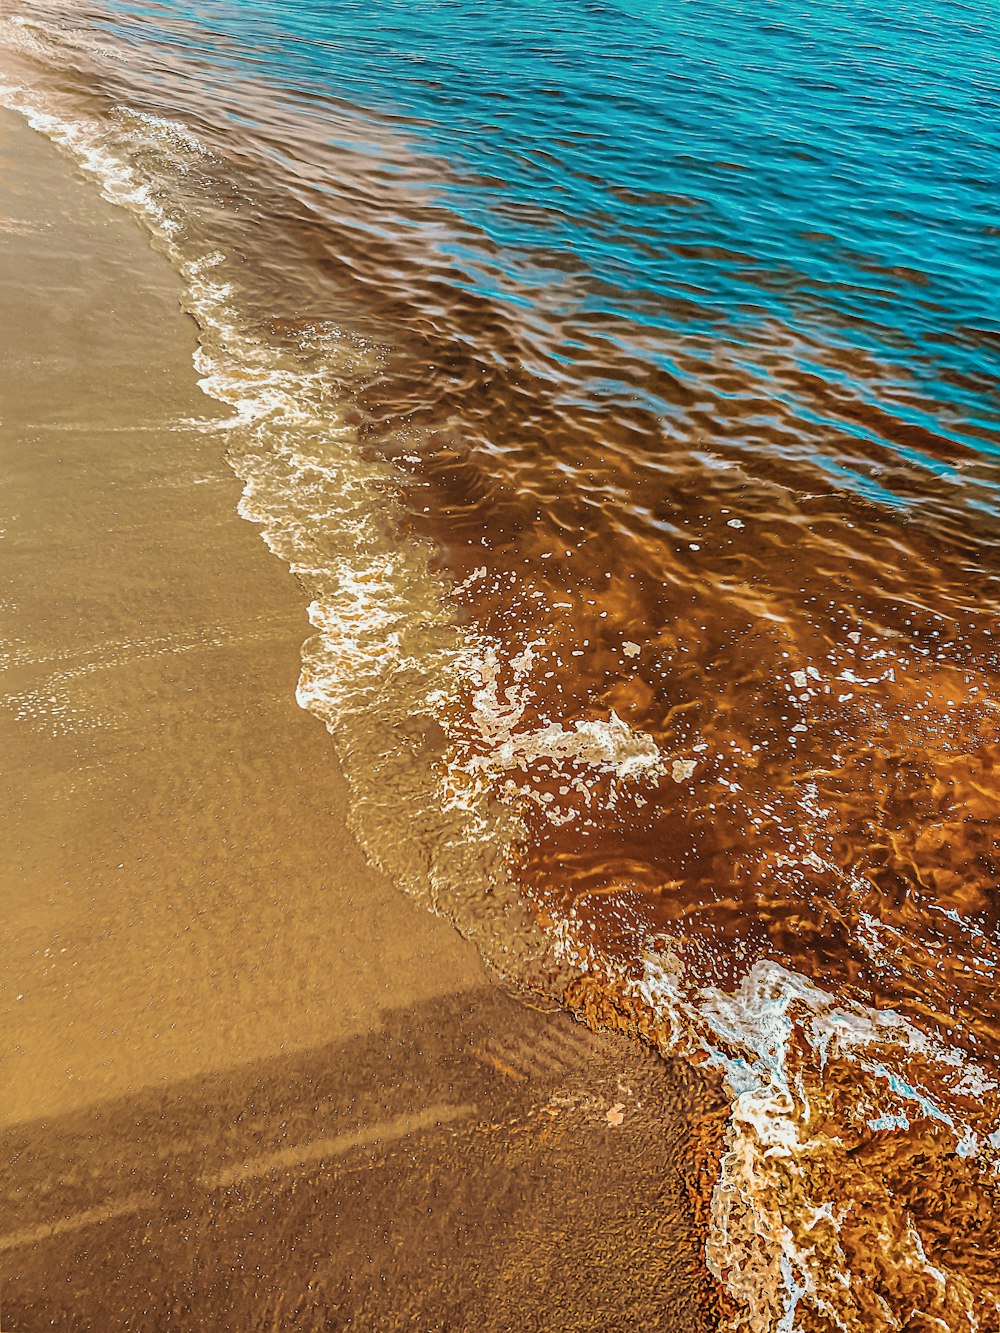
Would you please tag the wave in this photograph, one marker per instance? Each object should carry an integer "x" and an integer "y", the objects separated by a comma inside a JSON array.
[{"x": 859, "y": 1140}]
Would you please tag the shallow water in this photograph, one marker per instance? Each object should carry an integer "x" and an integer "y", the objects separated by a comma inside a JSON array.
[{"x": 622, "y": 383}]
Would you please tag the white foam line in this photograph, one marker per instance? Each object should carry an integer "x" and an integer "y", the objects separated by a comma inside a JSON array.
[{"x": 748, "y": 1035}]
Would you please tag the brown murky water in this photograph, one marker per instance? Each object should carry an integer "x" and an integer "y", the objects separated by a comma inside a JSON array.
[{"x": 247, "y": 1084}]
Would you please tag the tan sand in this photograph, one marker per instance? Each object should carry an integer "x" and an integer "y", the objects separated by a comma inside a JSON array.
[{"x": 246, "y": 1084}]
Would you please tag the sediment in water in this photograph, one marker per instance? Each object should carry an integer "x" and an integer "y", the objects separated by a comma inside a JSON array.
[{"x": 229, "y": 1040}]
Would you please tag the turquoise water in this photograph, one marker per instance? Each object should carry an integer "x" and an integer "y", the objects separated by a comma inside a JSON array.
[{"x": 670, "y": 169}]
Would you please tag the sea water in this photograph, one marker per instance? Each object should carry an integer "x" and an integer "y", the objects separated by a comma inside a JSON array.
[{"x": 620, "y": 380}]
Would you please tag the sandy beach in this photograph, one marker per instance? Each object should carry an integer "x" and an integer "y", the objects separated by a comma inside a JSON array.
[{"x": 246, "y": 1083}]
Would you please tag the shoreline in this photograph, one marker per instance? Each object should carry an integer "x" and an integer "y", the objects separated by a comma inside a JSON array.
[
  {"x": 655, "y": 636},
  {"x": 227, "y": 1030}
]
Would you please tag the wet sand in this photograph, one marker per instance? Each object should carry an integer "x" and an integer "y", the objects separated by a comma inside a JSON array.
[{"x": 246, "y": 1084}]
